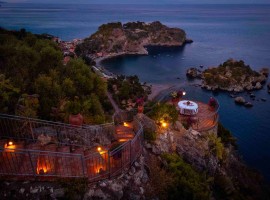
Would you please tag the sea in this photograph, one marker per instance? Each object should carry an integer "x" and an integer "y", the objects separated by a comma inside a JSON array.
[{"x": 219, "y": 32}]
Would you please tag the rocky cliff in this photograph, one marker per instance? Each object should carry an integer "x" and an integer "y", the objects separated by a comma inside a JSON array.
[
  {"x": 232, "y": 75},
  {"x": 131, "y": 38}
]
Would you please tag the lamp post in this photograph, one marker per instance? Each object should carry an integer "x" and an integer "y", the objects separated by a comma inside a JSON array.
[{"x": 181, "y": 93}]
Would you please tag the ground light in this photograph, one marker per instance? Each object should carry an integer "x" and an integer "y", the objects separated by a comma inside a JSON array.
[{"x": 164, "y": 124}]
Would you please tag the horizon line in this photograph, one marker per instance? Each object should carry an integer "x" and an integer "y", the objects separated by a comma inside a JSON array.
[{"x": 3, "y": 2}]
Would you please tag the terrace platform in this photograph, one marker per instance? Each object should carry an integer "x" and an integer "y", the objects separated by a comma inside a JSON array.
[{"x": 205, "y": 119}]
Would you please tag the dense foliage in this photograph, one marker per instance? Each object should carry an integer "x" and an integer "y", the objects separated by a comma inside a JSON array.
[
  {"x": 130, "y": 37},
  {"x": 127, "y": 89},
  {"x": 187, "y": 182},
  {"x": 33, "y": 65},
  {"x": 163, "y": 112},
  {"x": 226, "y": 136},
  {"x": 228, "y": 73}
]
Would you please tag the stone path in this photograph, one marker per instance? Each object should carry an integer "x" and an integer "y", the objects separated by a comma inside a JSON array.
[{"x": 115, "y": 106}]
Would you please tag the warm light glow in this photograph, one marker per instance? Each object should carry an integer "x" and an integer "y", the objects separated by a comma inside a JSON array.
[
  {"x": 10, "y": 146},
  {"x": 99, "y": 149},
  {"x": 123, "y": 140},
  {"x": 125, "y": 124},
  {"x": 99, "y": 169},
  {"x": 184, "y": 93},
  {"x": 42, "y": 166},
  {"x": 164, "y": 124}
]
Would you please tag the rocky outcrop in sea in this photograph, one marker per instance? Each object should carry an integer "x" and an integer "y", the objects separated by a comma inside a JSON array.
[
  {"x": 232, "y": 76},
  {"x": 115, "y": 39}
]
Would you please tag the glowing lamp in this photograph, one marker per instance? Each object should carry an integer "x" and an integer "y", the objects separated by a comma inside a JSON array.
[
  {"x": 99, "y": 149},
  {"x": 125, "y": 124},
  {"x": 184, "y": 93},
  {"x": 10, "y": 143},
  {"x": 164, "y": 124}
]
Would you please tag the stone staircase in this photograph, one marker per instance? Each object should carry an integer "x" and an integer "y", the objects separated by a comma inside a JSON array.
[{"x": 124, "y": 133}]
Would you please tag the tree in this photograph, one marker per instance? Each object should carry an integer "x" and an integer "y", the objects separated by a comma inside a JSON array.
[
  {"x": 164, "y": 112},
  {"x": 8, "y": 94},
  {"x": 187, "y": 183}
]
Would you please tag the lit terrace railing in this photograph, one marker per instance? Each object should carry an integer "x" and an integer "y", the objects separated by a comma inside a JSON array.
[
  {"x": 56, "y": 160},
  {"x": 29, "y": 129}
]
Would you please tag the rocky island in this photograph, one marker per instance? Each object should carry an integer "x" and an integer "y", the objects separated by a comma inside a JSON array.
[
  {"x": 232, "y": 76},
  {"x": 114, "y": 39}
]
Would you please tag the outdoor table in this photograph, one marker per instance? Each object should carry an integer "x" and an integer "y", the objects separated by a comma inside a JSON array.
[{"x": 188, "y": 107}]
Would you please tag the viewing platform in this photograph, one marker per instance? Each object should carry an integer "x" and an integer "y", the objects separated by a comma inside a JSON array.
[
  {"x": 44, "y": 150},
  {"x": 203, "y": 118}
]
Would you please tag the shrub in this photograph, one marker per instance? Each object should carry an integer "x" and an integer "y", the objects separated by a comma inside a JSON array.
[
  {"x": 226, "y": 136},
  {"x": 164, "y": 112},
  {"x": 150, "y": 135},
  {"x": 187, "y": 182}
]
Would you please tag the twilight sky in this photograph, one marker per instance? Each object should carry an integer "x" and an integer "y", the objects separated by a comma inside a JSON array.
[{"x": 146, "y": 1}]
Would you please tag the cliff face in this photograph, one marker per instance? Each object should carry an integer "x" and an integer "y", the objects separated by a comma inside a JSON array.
[{"x": 130, "y": 38}]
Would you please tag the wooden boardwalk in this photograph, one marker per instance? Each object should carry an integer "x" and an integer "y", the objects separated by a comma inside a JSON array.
[
  {"x": 205, "y": 119},
  {"x": 56, "y": 160}
]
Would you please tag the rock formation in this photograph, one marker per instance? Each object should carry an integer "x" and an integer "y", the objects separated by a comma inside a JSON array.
[
  {"x": 114, "y": 39},
  {"x": 240, "y": 100},
  {"x": 232, "y": 75}
]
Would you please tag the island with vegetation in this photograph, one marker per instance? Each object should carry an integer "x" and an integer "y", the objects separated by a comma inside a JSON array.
[
  {"x": 115, "y": 39},
  {"x": 232, "y": 76}
]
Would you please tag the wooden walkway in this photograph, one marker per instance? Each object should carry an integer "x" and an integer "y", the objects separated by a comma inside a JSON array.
[
  {"x": 204, "y": 120},
  {"x": 55, "y": 160}
]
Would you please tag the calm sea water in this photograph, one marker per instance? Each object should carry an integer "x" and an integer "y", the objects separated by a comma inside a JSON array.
[{"x": 219, "y": 32}]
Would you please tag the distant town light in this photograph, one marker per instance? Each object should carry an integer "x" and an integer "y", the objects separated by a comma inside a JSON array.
[{"x": 184, "y": 93}]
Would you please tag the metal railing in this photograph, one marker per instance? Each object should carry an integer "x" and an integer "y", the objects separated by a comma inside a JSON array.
[
  {"x": 57, "y": 161},
  {"x": 207, "y": 122},
  {"x": 30, "y": 129}
]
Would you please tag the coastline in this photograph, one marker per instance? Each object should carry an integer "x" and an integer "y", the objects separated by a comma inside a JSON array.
[
  {"x": 105, "y": 73},
  {"x": 156, "y": 89}
]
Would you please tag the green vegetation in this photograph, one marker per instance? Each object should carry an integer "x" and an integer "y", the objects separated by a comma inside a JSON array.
[
  {"x": 164, "y": 112},
  {"x": 226, "y": 136},
  {"x": 127, "y": 89},
  {"x": 128, "y": 38},
  {"x": 216, "y": 147},
  {"x": 229, "y": 73},
  {"x": 187, "y": 182},
  {"x": 31, "y": 65},
  {"x": 149, "y": 135}
]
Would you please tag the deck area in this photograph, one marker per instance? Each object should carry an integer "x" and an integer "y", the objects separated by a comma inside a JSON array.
[
  {"x": 24, "y": 157},
  {"x": 204, "y": 120}
]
